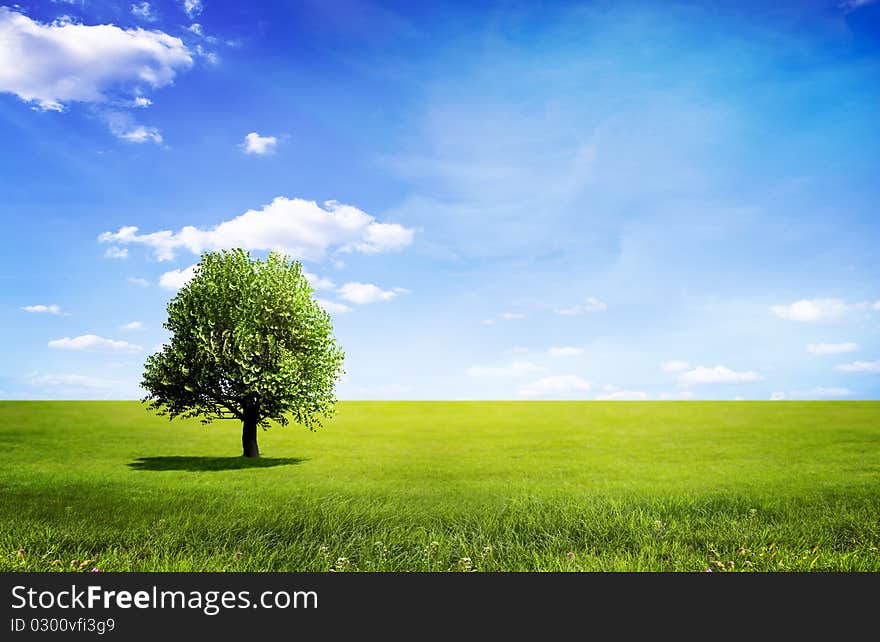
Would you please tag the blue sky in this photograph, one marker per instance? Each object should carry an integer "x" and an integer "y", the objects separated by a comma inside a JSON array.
[{"x": 494, "y": 200}]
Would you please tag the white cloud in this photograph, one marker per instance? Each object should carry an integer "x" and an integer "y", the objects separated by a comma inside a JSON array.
[
  {"x": 138, "y": 281},
  {"x": 43, "y": 309},
  {"x": 509, "y": 316},
  {"x": 176, "y": 279},
  {"x": 138, "y": 134},
  {"x": 681, "y": 394},
  {"x": 815, "y": 393},
  {"x": 674, "y": 366},
  {"x": 193, "y": 7},
  {"x": 296, "y": 227},
  {"x": 510, "y": 371},
  {"x": 261, "y": 145},
  {"x": 852, "y": 5},
  {"x": 124, "y": 127},
  {"x": 555, "y": 386},
  {"x": 140, "y": 101},
  {"x": 92, "y": 342},
  {"x": 872, "y": 367},
  {"x": 363, "y": 293},
  {"x": 114, "y": 252},
  {"x": 144, "y": 11},
  {"x": 718, "y": 374},
  {"x": 333, "y": 307},
  {"x": 69, "y": 381},
  {"x": 196, "y": 28},
  {"x": 318, "y": 282},
  {"x": 134, "y": 325},
  {"x": 832, "y": 348},
  {"x": 590, "y": 304},
  {"x": 565, "y": 351},
  {"x": 488, "y": 321},
  {"x": 777, "y": 396},
  {"x": 51, "y": 65},
  {"x": 808, "y": 310},
  {"x": 623, "y": 395}
]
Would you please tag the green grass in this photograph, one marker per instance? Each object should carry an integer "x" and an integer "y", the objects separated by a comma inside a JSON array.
[{"x": 420, "y": 486}]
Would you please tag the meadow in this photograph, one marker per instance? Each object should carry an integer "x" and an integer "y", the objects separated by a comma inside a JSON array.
[{"x": 446, "y": 486}]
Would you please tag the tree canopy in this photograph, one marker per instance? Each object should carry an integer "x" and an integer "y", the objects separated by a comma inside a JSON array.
[{"x": 248, "y": 342}]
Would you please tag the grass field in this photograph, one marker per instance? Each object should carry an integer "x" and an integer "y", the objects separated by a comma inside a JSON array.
[{"x": 438, "y": 486}]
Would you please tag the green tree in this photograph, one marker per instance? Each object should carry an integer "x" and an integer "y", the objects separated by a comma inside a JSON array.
[{"x": 248, "y": 342}]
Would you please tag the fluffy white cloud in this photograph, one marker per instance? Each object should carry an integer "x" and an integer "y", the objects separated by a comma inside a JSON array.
[
  {"x": 333, "y": 307},
  {"x": 193, "y": 7},
  {"x": 255, "y": 144},
  {"x": 43, "y": 309},
  {"x": 134, "y": 325},
  {"x": 623, "y": 395},
  {"x": 144, "y": 11},
  {"x": 115, "y": 252},
  {"x": 565, "y": 351},
  {"x": 555, "y": 386},
  {"x": 297, "y": 227},
  {"x": 176, "y": 279},
  {"x": 54, "y": 64},
  {"x": 363, "y": 293},
  {"x": 718, "y": 374},
  {"x": 872, "y": 367},
  {"x": 138, "y": 281},
  {"x": 590, "y": 304},
  {"x": 93, "y": 342},
  {"x": 674, "y": 366},
  {"x": 510, "y": 371},
  {"x": 811, "y": 310},
  {"x": 832, "y": 348},
  {"x": 318, "y": 282}
]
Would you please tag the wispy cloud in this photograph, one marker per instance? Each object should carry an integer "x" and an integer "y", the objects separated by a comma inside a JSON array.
[
  {"x": 114, "y": 252},
  {"x": 556, "y": 386},
  {"x": 718, "y": 374},
  {"x": 623, "y": 395},
  {"x": 333, "y": 307},
  {"x": 869, "y": 367},
  {"x": 812, "y": 310},
  {"x": 565, "y": 351},
  {"x": 43, "y": 309},
  {"x": 363, "y": 293},
  {"x": 832, "y": 348},
  {"x": 93, "y": 342},
  {"x": 674, "y": 366},
  {"x": 513, "y": 370},
  {"x": 590, "y": 304}
]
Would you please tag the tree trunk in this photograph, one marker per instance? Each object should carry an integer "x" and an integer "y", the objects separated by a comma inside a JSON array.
[{"x": 249, "y": 436}]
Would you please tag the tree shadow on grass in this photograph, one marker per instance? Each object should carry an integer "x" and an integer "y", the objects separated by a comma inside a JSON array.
[{"x": 208, "y": 464}]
